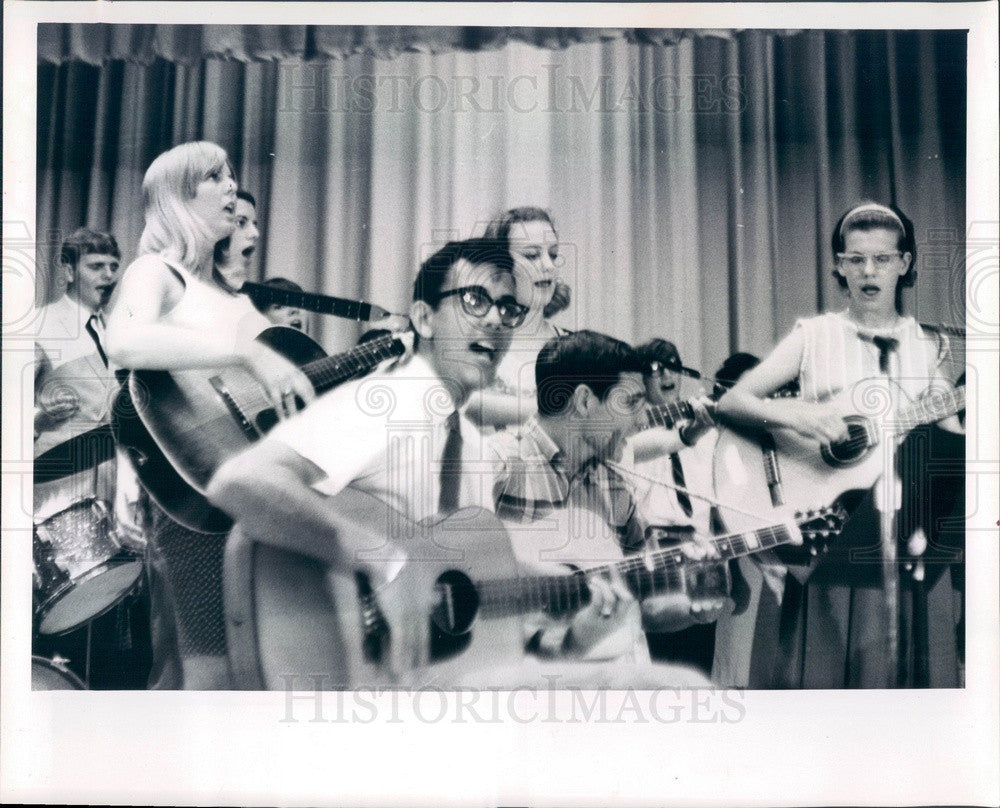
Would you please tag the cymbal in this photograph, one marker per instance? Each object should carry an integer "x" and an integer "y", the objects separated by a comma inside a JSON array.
[{"x": 79, "y": 453}]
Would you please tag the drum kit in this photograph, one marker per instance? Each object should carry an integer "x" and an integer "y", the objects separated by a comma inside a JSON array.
[
  {"x": 52, "y": 674},
  {"x": 85, "y": 565}
]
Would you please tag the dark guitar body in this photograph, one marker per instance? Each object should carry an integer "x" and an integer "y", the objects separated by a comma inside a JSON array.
[{"x": 180, "y": 426}]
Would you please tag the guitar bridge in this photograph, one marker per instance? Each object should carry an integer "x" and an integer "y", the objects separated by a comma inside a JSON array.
[{"x": 234, "y": 409}]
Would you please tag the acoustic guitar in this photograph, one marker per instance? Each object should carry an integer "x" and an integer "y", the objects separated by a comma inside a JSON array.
[
  {"x": 756, "y": 472},
  {"x": 178, "y": 427},
  {"x": 455, "y": 605}
]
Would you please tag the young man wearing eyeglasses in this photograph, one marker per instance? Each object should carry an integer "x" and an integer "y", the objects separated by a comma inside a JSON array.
[
  {"x": 385, "y": 434},
  {"x": 397, "y": 438}
]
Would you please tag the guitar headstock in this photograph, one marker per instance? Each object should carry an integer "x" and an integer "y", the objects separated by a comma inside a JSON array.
[
  {"x": 820, "y": 526},
  {"x": 406, "y": 338}
]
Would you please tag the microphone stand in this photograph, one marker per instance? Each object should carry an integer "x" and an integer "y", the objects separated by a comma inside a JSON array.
[
  {"x": 887, "y": 523},
  {"x": 921, "y": 640}
]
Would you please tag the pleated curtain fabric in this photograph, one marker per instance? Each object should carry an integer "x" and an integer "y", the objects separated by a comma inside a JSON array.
[{"x": 694, "y": 177}]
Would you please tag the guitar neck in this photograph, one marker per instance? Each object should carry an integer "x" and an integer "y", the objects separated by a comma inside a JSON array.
[
  {"x": 645, "y": 574},
  {"x": 330, "y": 371},
  {"x": 938, "y": 404},
  {"x": 666, "y": 415}
]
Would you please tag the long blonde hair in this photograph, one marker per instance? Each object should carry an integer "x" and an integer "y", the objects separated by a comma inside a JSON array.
[{"x": 172, "y": 229}]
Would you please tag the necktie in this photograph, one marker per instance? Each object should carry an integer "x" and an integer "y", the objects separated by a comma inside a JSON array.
[
  {"x": 451, "y": 466},
  {"x": 678, "y": 472},
  {"x": 885, "y": 345},
  {"x": 610, "y": 491},
  {"x": 95, "y": 327}
]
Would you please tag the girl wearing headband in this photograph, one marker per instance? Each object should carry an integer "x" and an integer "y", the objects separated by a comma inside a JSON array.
[{"x": 873, "y": 254}]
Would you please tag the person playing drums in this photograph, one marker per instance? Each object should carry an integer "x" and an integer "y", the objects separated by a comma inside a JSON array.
[
  {"x": 73, "y": 383},
  {"x": 76, "y": 548}
]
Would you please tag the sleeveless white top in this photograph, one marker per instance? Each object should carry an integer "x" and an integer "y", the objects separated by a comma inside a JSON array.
[
  {"x": 205, "y": 307},
  {"x": 837, "y": 353}
]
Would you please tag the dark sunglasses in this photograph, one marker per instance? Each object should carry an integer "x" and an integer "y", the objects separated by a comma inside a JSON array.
[
  {"x": 656, "y": 368},
  {"x": 476, "y": 302}
]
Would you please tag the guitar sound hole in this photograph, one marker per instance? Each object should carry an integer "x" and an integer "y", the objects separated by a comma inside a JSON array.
[
  {"x": 267, "y": 419},
  {"x": 452, "y": 617},
  {"x": 457, "y": 603},
  {"x": 853, "y": 448}
]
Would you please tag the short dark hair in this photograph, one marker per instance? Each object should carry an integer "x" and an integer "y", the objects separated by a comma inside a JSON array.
[
  {"x": 662, "y": 351},
  {"x": 731, "y": 370},
  {"x": 477, "y": 251},
  {"x": 222, "y": 247},
  {"x": 85, "y": 241},
  {"x": 875, "y": 216},
  {"x": 277, "y": 283},
  {"x": 583, "y": 357}
]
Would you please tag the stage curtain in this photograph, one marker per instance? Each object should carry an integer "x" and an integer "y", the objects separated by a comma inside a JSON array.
[
  {"x": 694, "y": 179},
  {"x": 98, "y": 43}
]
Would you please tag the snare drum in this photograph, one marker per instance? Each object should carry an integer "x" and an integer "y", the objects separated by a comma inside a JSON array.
[
  {"x": 81, "y": 568},
  {"x": 49, "y": 674}
]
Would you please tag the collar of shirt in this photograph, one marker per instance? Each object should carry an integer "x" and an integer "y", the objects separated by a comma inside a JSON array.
[
  {"x": 80, "y": 312},
  {"x": 65, "y": 314},
  {"x": 544, "y": 445},
  {"x": 547, "y": 448},
  {"x": 902, "y": 322}
]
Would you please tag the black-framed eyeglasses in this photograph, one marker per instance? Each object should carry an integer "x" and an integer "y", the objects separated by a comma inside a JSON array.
[{"x": 476, "y": 302}]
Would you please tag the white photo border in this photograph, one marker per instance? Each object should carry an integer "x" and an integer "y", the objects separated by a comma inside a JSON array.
[{"x": 757, "y": 748}]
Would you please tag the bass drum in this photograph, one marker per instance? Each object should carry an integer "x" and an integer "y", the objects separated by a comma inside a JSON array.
[{"x": 48, "y": 674}]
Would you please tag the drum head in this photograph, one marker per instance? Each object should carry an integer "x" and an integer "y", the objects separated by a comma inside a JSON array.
[
  {"x": 89, "y": 598},
  {"x": 49, "y": 675}
]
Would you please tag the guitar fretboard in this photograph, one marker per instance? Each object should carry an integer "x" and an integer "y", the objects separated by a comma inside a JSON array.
[
  {"x": 646, "y": 574},
  {"x": 666, "y": 415},
  {"x": 332, "y": 370},
  {"x": 932, "y": 406}
]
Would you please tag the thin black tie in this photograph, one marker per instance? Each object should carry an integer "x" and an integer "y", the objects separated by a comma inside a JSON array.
[
  {"x": 92, "y": 328},
  {"x": 885, "y": 346},
  {"x": 682, "y": 498},
  {"x": 451, "y": 466}
]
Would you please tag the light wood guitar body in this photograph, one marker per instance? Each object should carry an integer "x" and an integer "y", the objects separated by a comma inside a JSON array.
[
  {"x": 756, "y": 472},
  {"x": 456, "y": 604}
]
